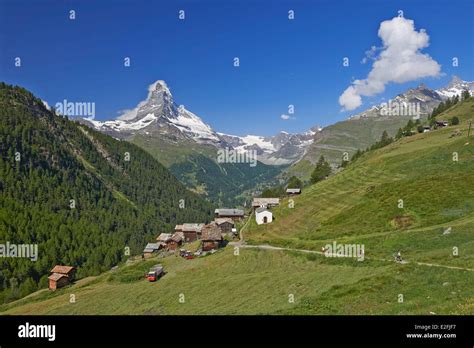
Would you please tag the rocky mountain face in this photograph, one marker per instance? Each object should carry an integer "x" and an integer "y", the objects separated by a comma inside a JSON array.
[
  {"x": 455, "y": 87},
  {"x": 283, "y": 148},
  {"x": 365, "y": 128},
  {"x": 168, "y": 130},
  {"x": 418, "y": 101},
  {"x": 159, "y": 116}
]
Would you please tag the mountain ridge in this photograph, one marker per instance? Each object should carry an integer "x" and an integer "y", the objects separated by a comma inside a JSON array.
[{"x": 159, "y": 116}]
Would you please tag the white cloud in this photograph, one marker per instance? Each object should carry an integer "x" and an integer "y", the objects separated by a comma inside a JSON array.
[
  {"x": 399, "y": 61},
  {"x": 287, "y": 117},
  {"x": 369, "y": 54}
]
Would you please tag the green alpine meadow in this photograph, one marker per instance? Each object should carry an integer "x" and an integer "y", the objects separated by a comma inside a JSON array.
[{"x": 413, "y": 195}]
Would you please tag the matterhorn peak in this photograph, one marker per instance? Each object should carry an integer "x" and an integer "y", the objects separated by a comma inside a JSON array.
[
  {"x": 159, "y": 85},
  {"x": 455, "y": 80}
]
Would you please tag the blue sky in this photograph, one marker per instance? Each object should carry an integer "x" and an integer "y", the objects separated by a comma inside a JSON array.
[{"x": 282, "y": 61}]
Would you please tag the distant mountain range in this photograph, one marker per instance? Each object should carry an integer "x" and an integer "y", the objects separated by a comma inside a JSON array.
[
  {"x": 159, "y": 116},
  {"x": 361, "y": 130},
  {"x": 426, "y": 98},
  {"x": 173, "y": 134}
]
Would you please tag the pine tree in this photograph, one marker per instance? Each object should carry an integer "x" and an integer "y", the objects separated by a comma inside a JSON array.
[
  {"x": 465, "y": 94},
  {"x": 321, "y": 171},
  {"x": 399, "y": 134},
  {"x": 295, "y": 182}
]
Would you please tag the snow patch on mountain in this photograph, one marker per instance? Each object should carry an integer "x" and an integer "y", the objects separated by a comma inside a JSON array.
[
  {"x": 159, "y": 116},
  {"x": 131, "y": 114},
  {"x": 192, "y": 124},
  {"x": 427, "y": 99},
  {"x": 120, "y": 125},
  {"x": 456, "y": 87},
  {"x": 264, "y": 143}
]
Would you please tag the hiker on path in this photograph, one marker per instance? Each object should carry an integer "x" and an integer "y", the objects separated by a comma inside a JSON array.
[{"x": 399, "y": 257}]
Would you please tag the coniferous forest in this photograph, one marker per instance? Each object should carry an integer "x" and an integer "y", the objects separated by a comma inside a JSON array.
[{"x": 82, "y": 196}]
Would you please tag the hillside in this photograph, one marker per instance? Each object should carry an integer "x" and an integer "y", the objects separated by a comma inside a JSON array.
[
  {"x": 345, "y": 136},
  {"x": 195, "y": 165},
  {"x": 186, "y": 145},
  {"x": 419, "y": 169},
  {"x": 226, "y": 184},
  {"x": 358, "y": 205},
  {"x": 82, "y": 196},
  {"x": 365, "y": 128}
]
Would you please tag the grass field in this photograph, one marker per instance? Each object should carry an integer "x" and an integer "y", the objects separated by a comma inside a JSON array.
[{"x": 359, "y": 205}]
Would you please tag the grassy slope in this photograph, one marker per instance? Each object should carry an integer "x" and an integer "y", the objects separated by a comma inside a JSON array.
[
  {"x": 356, "y": 206},
  {"x": 345, "y": 136},
  {"x": 436, "y": 191},
  {"x": 195, "y": 166},
  {"x": 169, "y": 153}
]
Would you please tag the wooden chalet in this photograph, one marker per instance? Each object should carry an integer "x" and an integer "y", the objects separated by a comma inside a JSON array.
[
  {"x": 152, "y": 248},
  {"x": 191, "y": 232},
  {"x": 211, "y": 237},
  {"x": 225, "y": 224},
  {"x": 175, "y": 241},
  {"x": 293, "y": 191},
  {"x": 61, "y": 276},
  {"x": 234, "y": 214},
  {"x": 265, "y": 202},
  {"x": 164, "y": 238}
]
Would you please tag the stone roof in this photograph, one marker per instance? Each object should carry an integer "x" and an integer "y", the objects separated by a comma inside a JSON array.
[
  {"x": 164, "y": 237},
  {"x": 229, "y": 212},
  {"x": 258, "y": 202},
  {"x": 57, "y": 276},
  {"x": 220, "y": 221},
  {"x": 192, "y": 227},
  {"x": 62, "y": 269},
  {"x": 177, "y": 237},
  {"x": 150, "y": 247},
  {"x": 211, "y": 232}
]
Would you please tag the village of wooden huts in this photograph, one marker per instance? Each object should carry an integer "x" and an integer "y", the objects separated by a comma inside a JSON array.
[{"x": 211, "y": 235}]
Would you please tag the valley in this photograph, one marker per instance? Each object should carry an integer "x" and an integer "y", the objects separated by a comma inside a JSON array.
[{"x": 292, "y": 276}]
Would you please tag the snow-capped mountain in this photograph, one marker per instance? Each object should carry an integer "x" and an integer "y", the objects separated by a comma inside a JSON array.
[
  {"x": 418, "y": 101},
  {"x": 455, "y": 87},
  {"x": 159, "y": 116},
  {"x": 283, "y": 148}
]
